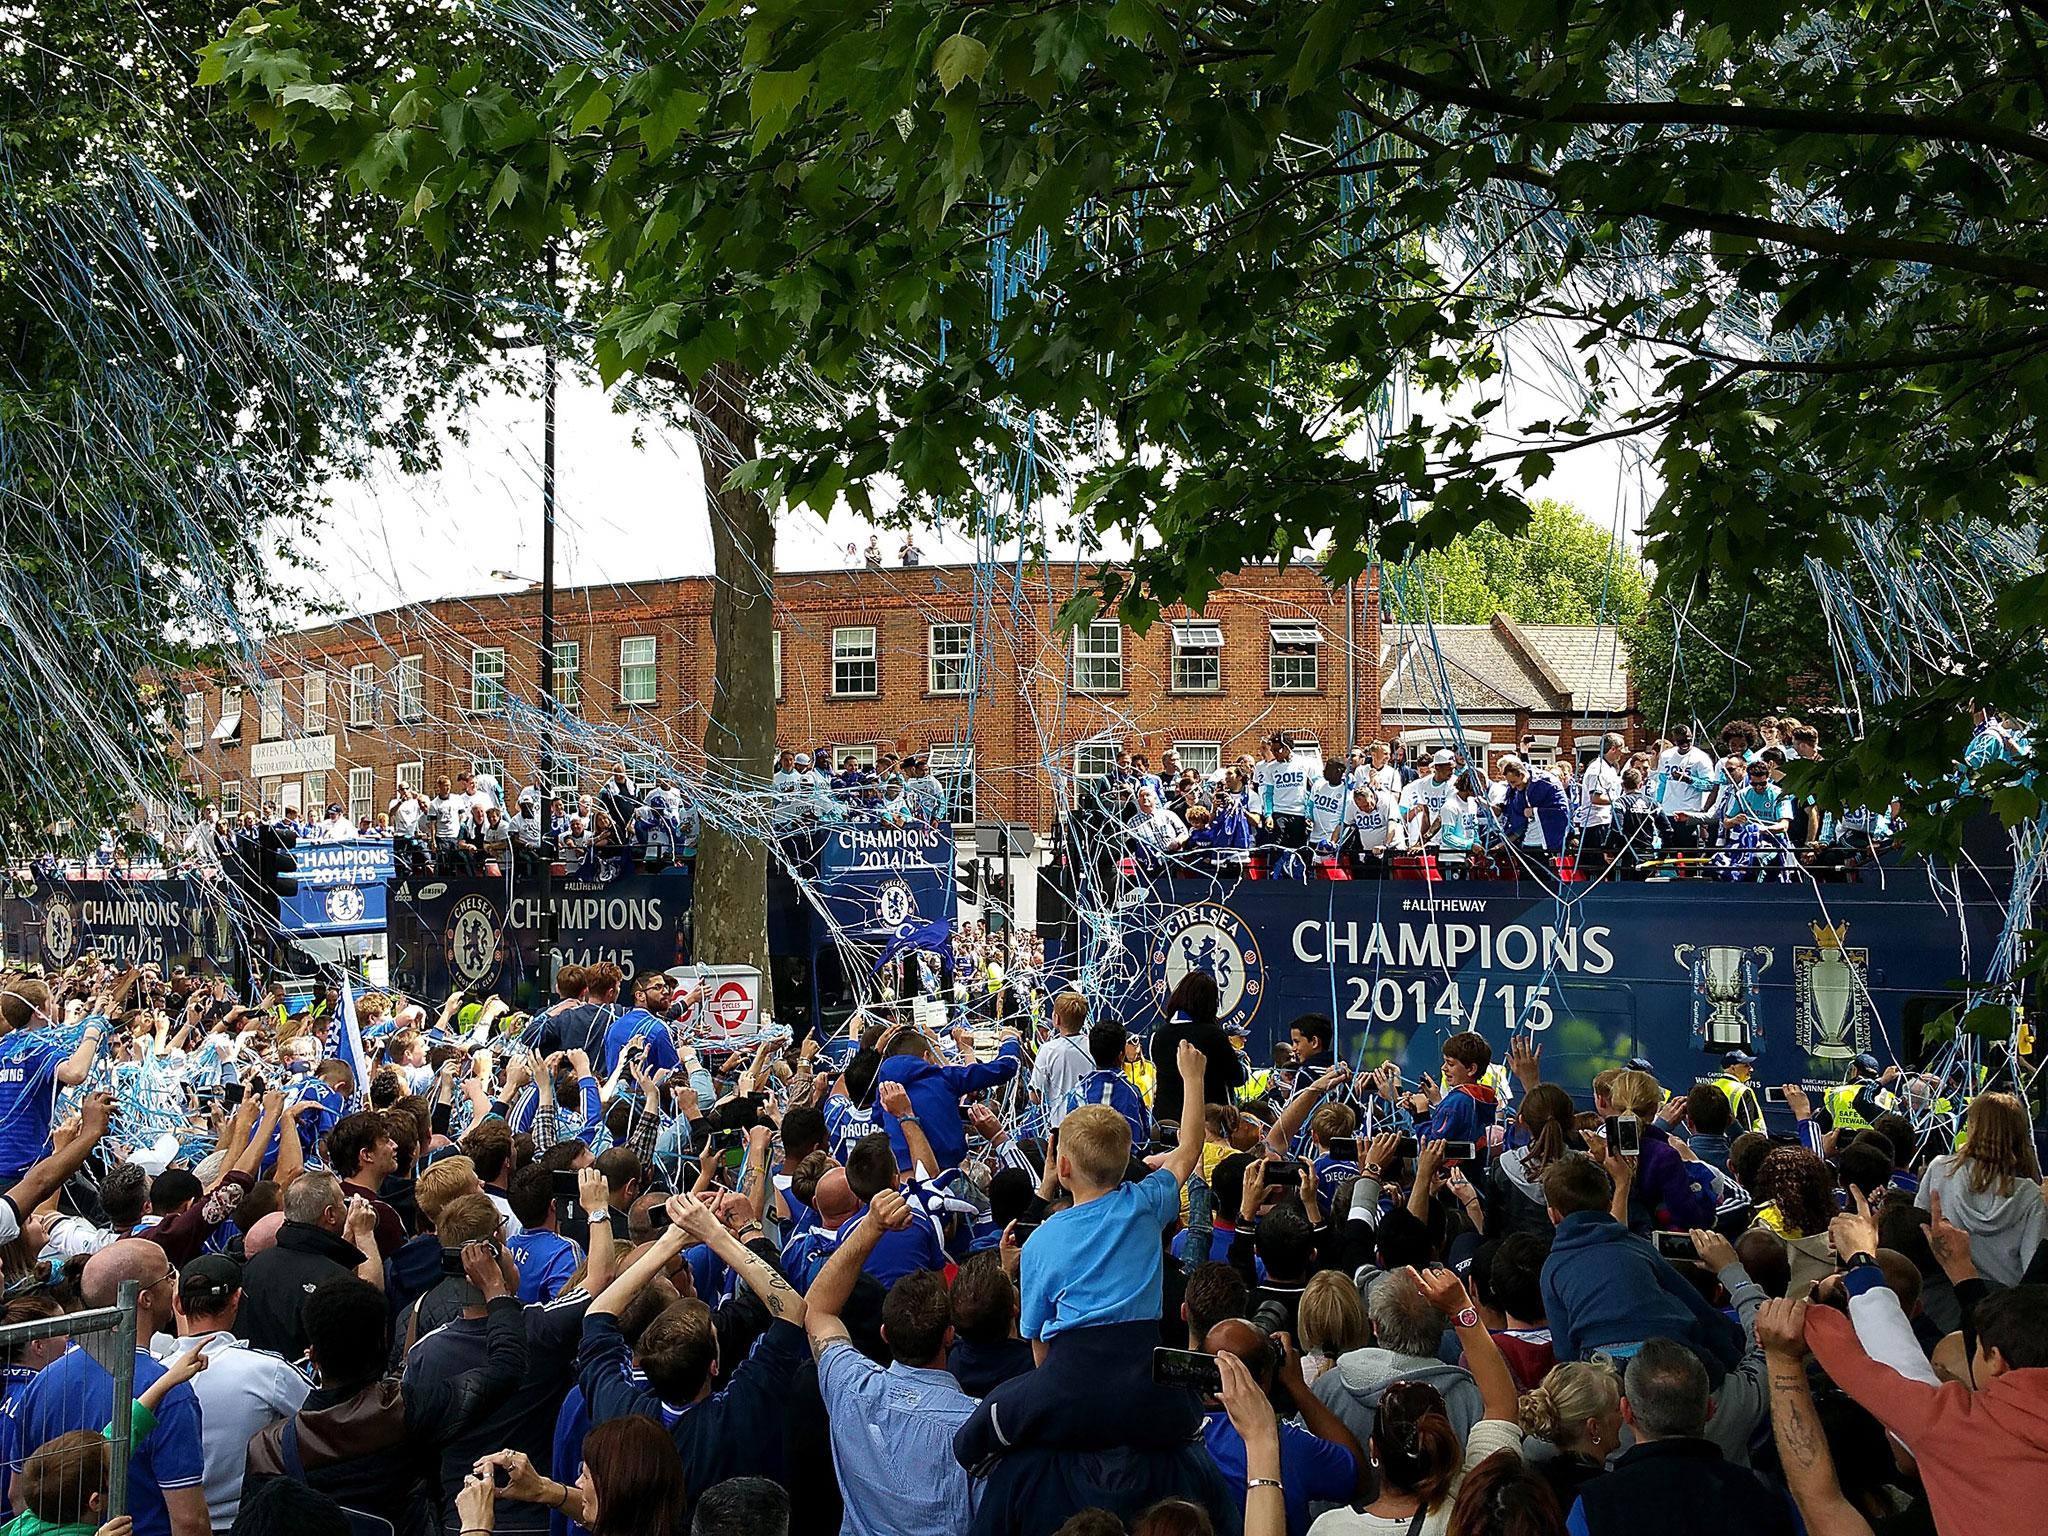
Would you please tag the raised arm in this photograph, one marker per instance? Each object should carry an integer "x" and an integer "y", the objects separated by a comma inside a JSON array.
[
  {"x": 267, "y": 1122},
  {"x": 1803, "y": 1453},
  {"x": 1295, "y": 1115},
  {"x": 1186, "y": 1155},
  {"x": 73, "y": 1069},
  {"x": 1490, "y": 1372},
  {"x": 762, "y": 1278},
  {"x": 48, "y": 1176},
  {"x": 895, "y": 1098},
  {"x": 601, "y": 1257},
  {"x": 826, "y": 1299}
]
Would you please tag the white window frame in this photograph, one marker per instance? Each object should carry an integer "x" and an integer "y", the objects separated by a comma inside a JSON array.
[
  {"x": 1307, "y": 750},
  {"x": 639, "y": 678},
  {"x": 1293, "y": 641},
  {"x": 313, "y": 703},
  {"x": 1107, "y": 746},
  {"x": 195, "y": 721},
  {"x": 271, "y": 791},
  {"x": 849, "y": 652},
  {"x": 951, "y": 670},
  {"x": 413, "y": 776},
  {"x": 362, "y": 795},
  {"x": 568, "y": 768},
  {"x": 643, "y": 769},
  {"x": 229, "y": 727},
  {"x": 486, "y": 679},
  {"x": 863, "y": 757},
  {"x": 1212, "y": 749},
  {"x": 494, "y": 766},
  {"x": 1197, "y": 642},
  {"x": 1098, "y": 657},
  {"x": 567, "y": 681},
  {"x": 953, "y": 766},
  {"x": 316, "y": 793},
  {"x": 230, "y": 797},
  {"x": 270, "y": 708},
  {"x": 409, "y": 688},
  {"x": 362, "y": 695}
]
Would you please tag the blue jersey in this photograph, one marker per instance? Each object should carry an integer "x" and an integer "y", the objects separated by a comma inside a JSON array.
[
  {"x": 1114, "y": 1090},
  {"x": 28, "y": 1099},
  {"x": 75, "y": 1392},
  {"x": 639, "y": 1024}
]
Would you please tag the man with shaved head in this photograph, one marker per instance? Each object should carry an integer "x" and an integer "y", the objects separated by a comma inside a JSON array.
[
  {"x": 1323, "y": 1463},
  {"x": 166, "y": 1467}
]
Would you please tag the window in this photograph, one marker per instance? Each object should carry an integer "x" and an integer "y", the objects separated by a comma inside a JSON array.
[
  {"x": 487, "y": 678},
  {"x": 313, "y": 691},
  {"x": 855, "y": 671},
  {"x": 568, "y": 681},
  {"x": 362, "y": 789},
  {"x": 568, "y": 777},
  {"x": 863, "y": 757},
  {"x": 1202, "y": 757},
  {"x": 410, "y": 684},
  {"x": 1099, "y": 657},
  {"x": 362, "y": 695},
  {"x": 195, "y": 720},
  {"x": 950, "y": 659},
  {"x": 231, "y": 797},
  {"x": 270, "y": 708},
  {"x": 642, "y": 768},
  {"x": 412, "y": 776},
  {"x": 1092, "y": 759},
  {"x": 775, "y": 661},
  {"x": 316, "y": 793},
  {"x": 272, "y": 791},
  {"x": 1294, "y": 644},
  {"x": 1197, "y": 656},
  {"x": 229, "y": 726},
  {"x": 636, "y": 670},
  {"x": 492, "y": 768},
  {"x": 953, "y": 767}
]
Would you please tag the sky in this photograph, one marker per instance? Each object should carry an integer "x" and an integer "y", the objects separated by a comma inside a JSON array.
[{"x": 632, "y": 510}]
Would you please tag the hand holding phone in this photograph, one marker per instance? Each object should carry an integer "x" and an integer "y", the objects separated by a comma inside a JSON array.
[{"x": 1188, "y": 1368}]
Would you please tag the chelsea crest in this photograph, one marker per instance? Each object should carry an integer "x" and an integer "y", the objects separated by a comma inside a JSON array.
[{"x": 1204, "y": 936}]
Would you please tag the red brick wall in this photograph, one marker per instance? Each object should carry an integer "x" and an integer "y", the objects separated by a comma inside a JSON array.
[{"x": 1021, "y": 710}]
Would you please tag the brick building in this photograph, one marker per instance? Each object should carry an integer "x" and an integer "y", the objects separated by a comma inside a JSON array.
[{"x": 958, "y": 660}]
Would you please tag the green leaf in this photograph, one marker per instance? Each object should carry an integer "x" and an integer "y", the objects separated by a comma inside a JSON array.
[
  {"x": 594, "y": 113},
  {"x": 504, "y": 189},
  {"x": 772, "y": 99},
  {"x": 958, "y": 57},
  {"x": 332, "y": 99}
]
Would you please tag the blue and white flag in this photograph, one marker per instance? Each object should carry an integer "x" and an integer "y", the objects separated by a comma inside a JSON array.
[
  {"x": 345, "y": 1043},
  {"x": 911, "y": 934}
]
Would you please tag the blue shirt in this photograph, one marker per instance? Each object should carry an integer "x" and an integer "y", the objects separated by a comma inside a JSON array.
[
  {"x": 1099, "y": 1262},
  {"x": 895, "y": 1255},
  {"x": 886, "y": 1423},
  {"x": 74, "y": 1392},
  {"x": 1115, "y": 1090},
  {"x": 28, "y": 1099},
  {"x": 546, "y": 1261},
  {"x": 1311, "y": 1470},
  {"x": 935, "y": 1099},
  {"x": 638, "y": 1023}
]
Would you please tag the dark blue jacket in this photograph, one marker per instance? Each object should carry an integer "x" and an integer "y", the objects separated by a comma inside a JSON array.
[
  {"x": 1669, "y": 1192},
  {"x": 1540, "y": 797},
  {"x": 1683, "y": 1487},
  {"x": 1604, "y": 1285}
]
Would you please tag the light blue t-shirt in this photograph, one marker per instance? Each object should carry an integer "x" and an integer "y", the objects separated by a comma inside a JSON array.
[{"x": 1100, "y": 1262}]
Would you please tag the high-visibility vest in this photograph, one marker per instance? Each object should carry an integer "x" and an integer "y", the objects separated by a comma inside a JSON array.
[
  {"x": 1742, "y": 1102},
  {"x": 1842, "y": 1109}
]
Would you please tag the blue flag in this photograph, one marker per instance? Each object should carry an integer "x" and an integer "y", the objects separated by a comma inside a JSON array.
[{"x": 911, "y": 934}]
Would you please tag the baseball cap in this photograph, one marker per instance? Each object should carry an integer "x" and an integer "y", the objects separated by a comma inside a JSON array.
[
  {"x": 208, "y": 1281},
  {"x": 1640, "y": 1064},
  {"x": 1737, "y": 1058},
  {"x": 1442, "y": 759},
  {"x": 804, "y": 758},
  {"x": 1865, "y": 1062}
]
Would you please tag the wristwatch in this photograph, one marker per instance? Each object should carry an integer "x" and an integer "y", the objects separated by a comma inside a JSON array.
[{"x": 1468, "y": 1318}]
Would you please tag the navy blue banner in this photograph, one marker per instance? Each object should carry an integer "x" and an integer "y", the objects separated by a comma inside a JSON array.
[
  {"x": 450, "y": 935},
  {"x": 341, "y": 888},
  {"x": 873, "y": 878},
  {"x": 125, "y": 922},
  {"x": 1803, "y": 976}
]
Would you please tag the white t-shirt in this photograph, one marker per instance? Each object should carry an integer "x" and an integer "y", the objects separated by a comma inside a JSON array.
[
  {"x": 1489, "y": 1438},
  {"x": 1426, "y": 793},
  {"x": 242, "y": 1392},
  {"x": 1377, "y": 823},
  {"x": 1685, "y": 780},
  {"x": 1326, "y": 802},
  {"x": 1288, "y": 785},
  {"x": 449, "y": 811},
  {"x": 1601, "y": 778},
  {"x": 406, "y": 817},
  {"x": 487, "y": 793},
  {"x": 1062, "y": 1062}
]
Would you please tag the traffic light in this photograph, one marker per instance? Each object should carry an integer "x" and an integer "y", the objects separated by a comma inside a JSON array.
[
  {"x": 276, "y": 869},
  {"x": 968, "y": 883}
]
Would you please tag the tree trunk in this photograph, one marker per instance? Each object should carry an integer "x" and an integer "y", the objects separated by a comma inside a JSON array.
[{"x": 731, "y": 897}]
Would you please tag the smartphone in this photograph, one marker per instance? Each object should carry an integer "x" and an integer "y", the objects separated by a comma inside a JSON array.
[
  {"x": 1676, "y": 1245},
  {"x": 1282, "y": 1170},
  {"x": 1460, "y": 1151},
  {"x": 657, "y": 1218},
  {"x": 231, "y": 1094},
  {"x": 1774, "y": 1095},
  {"x": 1023, "y": 1228},
  {"x": 1187, "y": 1368},
  {"x": 1624, "y": 1135},
  {"x": 1344, "y": 1148},
  {"x": 562, "y": 1190}
]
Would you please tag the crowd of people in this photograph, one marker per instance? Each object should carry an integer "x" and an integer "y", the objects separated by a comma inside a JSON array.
[
  {"x": 587, "y": 1271},
  {"x": 1669, "y": 808}
]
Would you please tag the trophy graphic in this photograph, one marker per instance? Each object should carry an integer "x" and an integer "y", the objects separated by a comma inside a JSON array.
[
  {"x": 1833, "y": 1015},
  {"x": 1724, "y": 980}
]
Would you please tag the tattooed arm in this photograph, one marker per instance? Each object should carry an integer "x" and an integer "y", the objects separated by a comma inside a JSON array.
[{"x": 1795, "y": 1425}]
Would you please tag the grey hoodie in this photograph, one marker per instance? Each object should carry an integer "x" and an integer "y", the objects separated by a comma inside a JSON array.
[
  {"x": 2004, "y": 1229},
  {"x": 1351, "y": 1388}
]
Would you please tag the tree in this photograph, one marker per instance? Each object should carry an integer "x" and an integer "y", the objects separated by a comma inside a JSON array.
[
  {"x": 1733, "y": 652},
  {"x": 179, "y": 376},
  {"x": 1802, "y": 257},
  {"x": 1559, "y": 568}
]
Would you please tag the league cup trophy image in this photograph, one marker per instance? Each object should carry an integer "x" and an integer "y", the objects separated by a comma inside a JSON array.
[
  {"x": 1834, "y": 1022},
  {"x": 1724, "y": 980}
]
